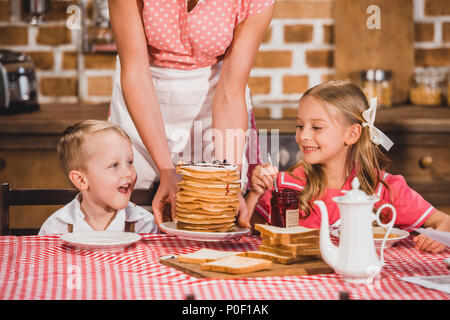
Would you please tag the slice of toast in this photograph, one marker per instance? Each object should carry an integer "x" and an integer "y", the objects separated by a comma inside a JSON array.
[
  {"x": 276, "y": 257},
  {"x": 204, "y": 255},
  {"x": 237, "y": 264},
  {"x": 292, "y": 247},
  {"x": 285, "y": 234},
  {"x": 292, "y": 240},
  {"x": 289, "y": 253}
]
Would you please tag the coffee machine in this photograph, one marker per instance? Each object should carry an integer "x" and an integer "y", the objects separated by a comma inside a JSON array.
[{"x": 18, "y": 86}]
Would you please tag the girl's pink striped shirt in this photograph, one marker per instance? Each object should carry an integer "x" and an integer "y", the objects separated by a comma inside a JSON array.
[{"x": 412, "y": 209}]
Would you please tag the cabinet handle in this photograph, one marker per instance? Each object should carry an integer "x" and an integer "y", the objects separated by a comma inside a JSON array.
[
  {"x": 426, "y": 162},
  {"x": 2, "y": 163}
]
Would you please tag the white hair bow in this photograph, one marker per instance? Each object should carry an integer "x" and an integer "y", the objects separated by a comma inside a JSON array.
[{"x": 376, "y": 135}]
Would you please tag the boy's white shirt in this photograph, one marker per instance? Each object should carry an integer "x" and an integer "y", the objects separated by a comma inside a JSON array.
[{"x": 72, "y": 214}]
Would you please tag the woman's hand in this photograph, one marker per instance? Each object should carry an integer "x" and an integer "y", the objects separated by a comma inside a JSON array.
[
  {"x": 165, "y": 195},
  {"x": 427, "y": 244},
  {"x": 244, "y": 214},
  {"x": 439, "y": 221},
  {"x": 262, "y": 178}
]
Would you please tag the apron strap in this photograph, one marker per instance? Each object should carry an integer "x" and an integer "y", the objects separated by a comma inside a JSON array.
[{"x": 129, "y": 226}]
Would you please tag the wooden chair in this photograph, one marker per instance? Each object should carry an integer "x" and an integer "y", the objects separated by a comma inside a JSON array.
[{"x": 30, "y": 197}]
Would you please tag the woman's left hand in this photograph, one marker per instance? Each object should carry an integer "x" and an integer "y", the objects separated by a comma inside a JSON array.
[
  {"x": 439, "y": 221},
  {"x": 427, "y": 244},
  {"x": 244, "y": 215}
]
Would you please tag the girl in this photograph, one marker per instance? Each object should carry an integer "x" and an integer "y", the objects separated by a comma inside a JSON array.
[{"x": 338, "y": 141}]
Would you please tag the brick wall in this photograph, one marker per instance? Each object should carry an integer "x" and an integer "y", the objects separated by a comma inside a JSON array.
[
  {"x": 432, "y": 33},
  {"x": 63, "y": 75},
  {"x": 296, "y": 53}
]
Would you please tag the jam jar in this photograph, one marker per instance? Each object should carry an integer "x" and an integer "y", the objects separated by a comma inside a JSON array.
[
  {"x": 284, "y": 212},
  {"x": 428, "y": 87}
]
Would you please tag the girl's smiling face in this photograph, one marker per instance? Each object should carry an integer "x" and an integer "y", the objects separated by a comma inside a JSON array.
[{"x": 321, "y": 134}]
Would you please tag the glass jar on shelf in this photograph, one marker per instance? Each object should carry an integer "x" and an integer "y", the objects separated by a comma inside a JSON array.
[
  {"x": 377, "y": 83},
  {"x": 428, "y": 87},
  {"x": 101, "y": 37}
]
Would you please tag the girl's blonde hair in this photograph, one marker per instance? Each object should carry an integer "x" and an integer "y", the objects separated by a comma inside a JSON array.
[
  {"x": 350, "y": 101},
  {"x": 71, "y": 146}
]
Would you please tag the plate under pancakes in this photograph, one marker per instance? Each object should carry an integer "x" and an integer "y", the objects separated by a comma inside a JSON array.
[{"x": 207, "y": 198}]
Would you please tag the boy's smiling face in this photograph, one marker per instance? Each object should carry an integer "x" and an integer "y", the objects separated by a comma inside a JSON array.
[
  {"x": 320, "y": 134},
  {"x": 110, "y": 174}
]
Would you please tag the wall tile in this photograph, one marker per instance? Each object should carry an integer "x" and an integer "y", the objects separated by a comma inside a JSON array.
[
  {"x": 320, "y": 58},
  {"x": 259, "y": 85},
  {"x": 13, "y": 36},
  {"x": 43, "y": 60},
  {"x": 437, "y": 8},
  {"x": 298, "y": 33},
  {"x": 273, "y": 59},
  {"x": 100, "y": 61},
  {"x": 295, "y": 84},
  {"x": 53, "y": 35},
  {"x": 100, "y": 86},
  {"x": 59, "y": 86},
  {"x": 303, "y": 9},
  {"x": 432, "y": 57},
  {"x": 423, "y": 32}
]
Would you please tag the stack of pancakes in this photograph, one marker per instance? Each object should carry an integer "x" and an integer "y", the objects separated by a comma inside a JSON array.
[{"x": 207, "y": 198}]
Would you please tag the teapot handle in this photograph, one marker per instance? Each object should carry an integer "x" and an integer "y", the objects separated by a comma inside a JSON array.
[{"x": 388, "y": 225}]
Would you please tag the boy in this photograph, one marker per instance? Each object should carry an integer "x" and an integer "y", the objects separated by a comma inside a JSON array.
[{"x": 97, "y": 156}]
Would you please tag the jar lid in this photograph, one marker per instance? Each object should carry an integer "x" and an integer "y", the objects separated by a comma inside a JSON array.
[
  {"x": 430, "y": 76},
  {"x": 376, "y": 75},
  {"x": 381, "y": 75},
  {"x": 355, "y": 194}
]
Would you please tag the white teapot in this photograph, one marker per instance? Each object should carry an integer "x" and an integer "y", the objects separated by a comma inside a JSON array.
[{"x": 355, "y": 259}]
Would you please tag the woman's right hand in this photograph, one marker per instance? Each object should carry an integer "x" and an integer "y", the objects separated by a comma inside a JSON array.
[
  {"x": 262, "y": 178},
  {"x": 165, "y": 195}
]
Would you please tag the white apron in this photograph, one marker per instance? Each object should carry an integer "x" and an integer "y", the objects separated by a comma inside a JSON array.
[{"x": 185, "y": 98}]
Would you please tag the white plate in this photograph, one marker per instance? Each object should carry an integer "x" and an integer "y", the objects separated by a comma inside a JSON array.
[
  {"x": 171, "y": 228},
  {"x": 402, "y": 234},
  {"x": 100, "y": 240}
]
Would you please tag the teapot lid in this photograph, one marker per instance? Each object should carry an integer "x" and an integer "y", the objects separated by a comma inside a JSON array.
[{"x": 355, "y": 194}]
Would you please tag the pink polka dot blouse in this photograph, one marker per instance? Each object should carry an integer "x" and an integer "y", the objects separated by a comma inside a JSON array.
[{"x": 179, "y": 39}]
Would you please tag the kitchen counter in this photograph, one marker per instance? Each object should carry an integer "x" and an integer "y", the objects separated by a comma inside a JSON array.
[
  {"x": 51, "y": 118},
  {"x": 404, "y": 118},
  {"x": 41, "y": 129},
  {"x": 54, "y": 118}
]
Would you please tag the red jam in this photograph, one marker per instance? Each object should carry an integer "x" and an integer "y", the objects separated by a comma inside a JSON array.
[{"x": 284, "y": 212}]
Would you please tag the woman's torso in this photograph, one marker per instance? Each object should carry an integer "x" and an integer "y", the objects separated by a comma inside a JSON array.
[{"x": 183, "y": 39}]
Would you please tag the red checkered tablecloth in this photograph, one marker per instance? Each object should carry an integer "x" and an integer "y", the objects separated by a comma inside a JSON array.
[{"x": 43, "y": 267}]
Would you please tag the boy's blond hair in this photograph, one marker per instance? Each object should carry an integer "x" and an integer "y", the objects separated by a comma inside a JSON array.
[{"x": 71, "y": 146}]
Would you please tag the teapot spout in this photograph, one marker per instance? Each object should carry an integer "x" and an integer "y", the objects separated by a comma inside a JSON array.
[{"x": 329, "y": 252}]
